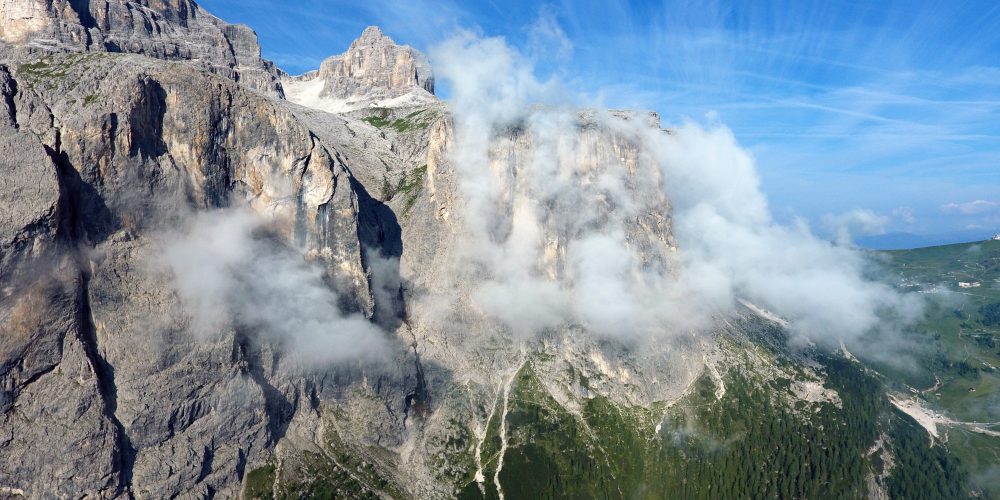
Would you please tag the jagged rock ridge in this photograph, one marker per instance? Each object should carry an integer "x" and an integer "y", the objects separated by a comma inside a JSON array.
[{"x": 163, "y": 29}]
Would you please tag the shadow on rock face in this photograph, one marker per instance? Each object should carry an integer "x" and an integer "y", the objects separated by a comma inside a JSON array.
[
  {"x": 85, "y": 214},
  {"x": 382, "y": 245},
  {"x": 82, "y": 9},
  {"x": 146, "y": 120}
]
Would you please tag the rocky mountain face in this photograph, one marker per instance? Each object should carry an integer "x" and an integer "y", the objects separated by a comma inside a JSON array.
[
  {"x": 117, "y": 135},
  {"x": 374, "y": 71},
  {"x": 162, "y": 29},
  {"x": 102, "y": 150}
]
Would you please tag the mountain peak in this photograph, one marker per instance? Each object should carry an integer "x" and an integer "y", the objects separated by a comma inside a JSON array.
[
  {"x": 374, "y": 70},
  {"x": 372, "y": 36}
]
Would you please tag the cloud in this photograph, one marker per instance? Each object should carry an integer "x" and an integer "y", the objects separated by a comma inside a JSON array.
[
  {"x": 904, "y": 214},
  {"x": 729, "y": 253},
  {"x": 970, "y": 207},
  {"x": 604, "y": 221},
  {"x": 856, "y": 222},
  {"x": 841, "y": 107},
  {"x": 230, "y": 272},
  {"x": 546, "y": 38}
]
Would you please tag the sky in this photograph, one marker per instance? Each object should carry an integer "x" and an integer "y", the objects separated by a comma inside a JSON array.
[{"x": 863, "y": 117}]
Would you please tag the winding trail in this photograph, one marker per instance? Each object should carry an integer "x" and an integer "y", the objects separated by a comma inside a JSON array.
[{"x": 937, "y": 384}]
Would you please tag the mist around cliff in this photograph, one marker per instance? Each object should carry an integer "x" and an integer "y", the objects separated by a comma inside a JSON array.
[
  {"x": 566, "y": 216},
  {"x": 230, "y": 271},
  {"x": 598, "y": 275}
]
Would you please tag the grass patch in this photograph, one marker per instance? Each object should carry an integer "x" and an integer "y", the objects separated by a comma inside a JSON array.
[
  {"x": 260, "y": 483},
  {"x": 410, "y": 185},
  {"x": 958, "y": 340},
  {"x": 415, "y": 121},
  {"x": 52, "y": 70}
]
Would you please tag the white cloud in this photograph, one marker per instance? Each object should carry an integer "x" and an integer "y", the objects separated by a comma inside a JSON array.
[
  {"x": 970, "y": 207},
  {"x": 857, "y": 222},
  {"x": 904, "y": 214},
  {"x": 561, "y": 218},
  {"x": 546, "y": 39},
  {"x": 230, "y": 272}
]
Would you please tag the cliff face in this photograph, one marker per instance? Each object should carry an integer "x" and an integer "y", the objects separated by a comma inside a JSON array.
[
  {"x": 374, "y": 61},
  {"x": 101, "y": 153},
  {"x": 162, "y": 29}
]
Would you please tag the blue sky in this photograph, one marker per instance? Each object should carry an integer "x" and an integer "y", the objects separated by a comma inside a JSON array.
[{"x": 890, "y": 107}]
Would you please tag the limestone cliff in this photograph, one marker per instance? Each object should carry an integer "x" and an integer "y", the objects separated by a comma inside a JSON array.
[
  {"x": 101, "y": 151},
  {"x": 162, "y": 29}
]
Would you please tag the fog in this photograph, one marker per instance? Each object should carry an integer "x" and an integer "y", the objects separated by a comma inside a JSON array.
[
  {"x": 561, "y": 211},
  {"x": 607, "y": 221},
  {"x": 230, "y": 271}
]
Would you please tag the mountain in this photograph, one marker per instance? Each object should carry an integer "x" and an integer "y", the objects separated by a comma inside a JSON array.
[
  {"x": 161, "y": 29},
  {"x": 362, "y": 291},
  {"x": 373, "y": 72}
]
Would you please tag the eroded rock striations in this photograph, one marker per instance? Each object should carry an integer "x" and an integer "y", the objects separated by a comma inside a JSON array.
[{"x": 162, "y": 29}]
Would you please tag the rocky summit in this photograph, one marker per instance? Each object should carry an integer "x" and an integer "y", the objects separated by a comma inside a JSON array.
[
  {"x": 218, "y": 280},
  {"x": 374, "y": 71}
]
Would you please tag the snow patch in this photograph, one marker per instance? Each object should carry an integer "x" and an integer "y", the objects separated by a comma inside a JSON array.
[{"x": 307, "y": 93}]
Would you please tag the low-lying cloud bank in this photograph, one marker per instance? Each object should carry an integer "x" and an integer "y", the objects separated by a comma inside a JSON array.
[
  {"x": 571, "y": 217},
  {"x": 231, "y": 272},
  {"x": 566, "y": 211}
]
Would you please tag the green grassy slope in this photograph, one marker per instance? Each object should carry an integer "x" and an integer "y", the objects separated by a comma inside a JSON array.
[
  {"x": 958, "y": 343},
  {"x": 961, "y": 333}
]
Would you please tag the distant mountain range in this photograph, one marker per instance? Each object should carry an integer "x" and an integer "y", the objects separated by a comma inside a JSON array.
[{"x": 903, "y": 241}]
